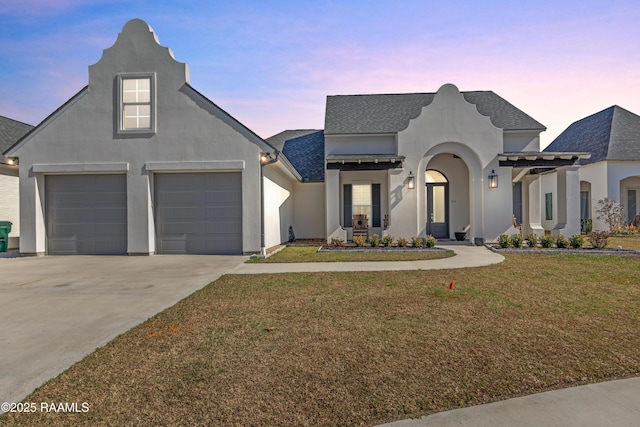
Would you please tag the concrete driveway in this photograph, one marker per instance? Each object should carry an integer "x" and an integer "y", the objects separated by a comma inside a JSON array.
[{"x": 55, "y": 310}]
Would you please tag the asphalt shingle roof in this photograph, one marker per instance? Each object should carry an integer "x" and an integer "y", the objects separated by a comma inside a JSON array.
[
  {"x": 611, "y": 134},
  {"x": 390, "y": 113},
  {"x": 304, "y": 149},
  {"x": 11, "y": 131}
]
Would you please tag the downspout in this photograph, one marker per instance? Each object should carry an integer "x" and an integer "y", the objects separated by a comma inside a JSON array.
[{"x": 265, "y": 159}]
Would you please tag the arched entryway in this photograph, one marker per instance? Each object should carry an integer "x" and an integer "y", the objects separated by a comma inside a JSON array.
[{"x": 437, "y": 198}]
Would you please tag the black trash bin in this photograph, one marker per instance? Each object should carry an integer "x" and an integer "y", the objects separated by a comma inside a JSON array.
[{"x": 5, "y": 229}]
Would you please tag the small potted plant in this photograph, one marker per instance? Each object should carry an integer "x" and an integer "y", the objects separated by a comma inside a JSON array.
[{"x": 461, "y": 235}]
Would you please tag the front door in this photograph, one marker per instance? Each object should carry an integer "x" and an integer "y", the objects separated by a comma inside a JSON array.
[{"x": 438, "y": 210}]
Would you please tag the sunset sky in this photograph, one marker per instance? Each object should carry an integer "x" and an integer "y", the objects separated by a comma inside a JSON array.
[{"x": 271, "y": 64}]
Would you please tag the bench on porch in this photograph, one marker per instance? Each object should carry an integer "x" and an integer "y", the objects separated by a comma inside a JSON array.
[{"x": 361, "y": 225}]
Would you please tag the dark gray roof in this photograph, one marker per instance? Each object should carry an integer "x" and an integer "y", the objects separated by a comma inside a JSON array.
[
  {"x": 390, "y": 113},
  {"x": 611, "y": 134},
  {"x": 11, "y": 131},
  {"x": 304, "y": 149}
]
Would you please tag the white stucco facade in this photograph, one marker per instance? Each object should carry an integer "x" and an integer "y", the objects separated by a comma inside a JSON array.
[
  {"x": 339, "y": 172},
  {"x": 190, "y": 134},
  {"x": 610, "y": 179},
  {"x": 450, "y": 136}
]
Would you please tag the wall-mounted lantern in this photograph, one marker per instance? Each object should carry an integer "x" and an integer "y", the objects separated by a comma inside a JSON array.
[
  {"x": 493, "y": 179},
  {"x": 11, "y": 161},
  {"x": 411, "y": 181}
]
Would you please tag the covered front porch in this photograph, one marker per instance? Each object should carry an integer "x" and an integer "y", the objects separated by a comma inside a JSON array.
[{"x": 546, "y": 191}]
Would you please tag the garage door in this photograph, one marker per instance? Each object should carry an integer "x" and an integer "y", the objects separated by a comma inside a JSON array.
[
  {"x": 86, "y": 214},
  {"x": 199, "y": 213}
]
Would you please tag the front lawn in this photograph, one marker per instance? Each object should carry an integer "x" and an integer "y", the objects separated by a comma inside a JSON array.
[
  {"x": 361, "y": 348},
  {"x": 311, "y": 254},
  {"x": 627, "y": 242}
]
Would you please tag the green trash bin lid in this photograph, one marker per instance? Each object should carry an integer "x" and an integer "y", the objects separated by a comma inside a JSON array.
[{"x": 6, "y": 225}]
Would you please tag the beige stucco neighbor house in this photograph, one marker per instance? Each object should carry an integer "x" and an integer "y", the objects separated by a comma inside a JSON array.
[
  {"x": 10, "y": 132},
  {"x": 139, "y": 162},
  {"x": 612, "y": 136}
]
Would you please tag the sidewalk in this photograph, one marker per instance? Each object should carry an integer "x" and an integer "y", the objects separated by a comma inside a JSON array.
[
  {"x": 466, "y": 256},
  {"x": 612, "y": 403}
]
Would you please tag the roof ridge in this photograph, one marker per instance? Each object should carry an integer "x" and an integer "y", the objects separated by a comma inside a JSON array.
[{"x": 405, "y": 93}]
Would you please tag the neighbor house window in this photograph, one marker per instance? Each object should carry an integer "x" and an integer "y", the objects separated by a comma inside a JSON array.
[
  {"x": 548, "y": 206},
  {"x": 632, "y": 203},
  {"x": 137, "y": 103},
  {"x": 585, "y": 205}
]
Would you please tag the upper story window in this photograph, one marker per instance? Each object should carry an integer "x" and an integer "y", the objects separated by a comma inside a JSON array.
[{"x": 137, "y": 110}]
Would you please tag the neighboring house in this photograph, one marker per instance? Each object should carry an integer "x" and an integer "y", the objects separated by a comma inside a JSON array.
[
  {"x": 10, "y": 132},
  {"x": 612, "y": 136},
  {"x": 139, "y": 162}
]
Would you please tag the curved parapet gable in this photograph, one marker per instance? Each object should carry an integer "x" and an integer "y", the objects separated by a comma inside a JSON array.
[
  {"x": 137, "y": 49},
  {"x": 451, "y": 118}
]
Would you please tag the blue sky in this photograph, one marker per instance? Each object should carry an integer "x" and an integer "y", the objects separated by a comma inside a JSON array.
[{"x": 272, "y": 63}]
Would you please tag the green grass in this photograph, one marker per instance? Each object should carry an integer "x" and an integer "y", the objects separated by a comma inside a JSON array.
[
  {"x": 311, "y": 254},
  {"x": 361, "y": 348},
  {"x": 627, "y": 242}
]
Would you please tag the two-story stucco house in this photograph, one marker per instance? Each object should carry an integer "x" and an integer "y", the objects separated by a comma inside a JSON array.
[{"x": 139, "y": 162}]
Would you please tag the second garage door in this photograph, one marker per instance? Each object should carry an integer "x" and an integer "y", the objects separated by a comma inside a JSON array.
[{"x": 198, "y": 213}]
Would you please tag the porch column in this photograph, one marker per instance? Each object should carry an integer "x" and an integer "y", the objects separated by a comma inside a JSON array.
[
  {"x": 531, "y": 186},
  {"x": 568, "y": 201},
  {"x": 332, "y": 205}
]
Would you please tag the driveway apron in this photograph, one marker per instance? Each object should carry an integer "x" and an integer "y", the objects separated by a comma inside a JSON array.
[{"x": 55, "y": 310}]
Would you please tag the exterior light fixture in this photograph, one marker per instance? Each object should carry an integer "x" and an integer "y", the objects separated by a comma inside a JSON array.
[
  {"x": 264, "y": 157},
  {"x": 493, "y": 179},
  {"x": 11, "y": 161},
  {"x": 411, "y": 181}
]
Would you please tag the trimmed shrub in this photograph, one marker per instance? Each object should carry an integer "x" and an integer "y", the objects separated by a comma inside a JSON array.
[
  {"x": 562, "y": 242},
  {"x": 374, "y": 240},
  {"x": 576, "y": 241},
  {"x": 547, "y": 241},
  {"x": 386, "y": 240},
  {"x": 336, "y": 241},
  {"x": 533, "y": 240},
  {"x": 504, "y": 241},
  {"x": 516, "y": 240},
  {"x": 417, "y": 242},
  {"x": 359, "y": 241},
  {"x": 599, "y": 239},
  {"x": 430, "y": 241},
  {"x": 402, "y": 242}
]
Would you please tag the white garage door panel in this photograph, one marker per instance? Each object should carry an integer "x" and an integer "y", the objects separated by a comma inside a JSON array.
[
  {"x": 199, "y": 213},
  {"x": 86, "y": 214}
]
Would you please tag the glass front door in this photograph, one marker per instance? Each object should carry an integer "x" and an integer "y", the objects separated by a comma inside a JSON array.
[{"x": 437, "y": 210}]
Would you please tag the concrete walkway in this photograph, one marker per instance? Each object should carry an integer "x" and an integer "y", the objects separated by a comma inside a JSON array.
[
  {"x": 613, "y": 403},
  {"x": 466, "y": 256}
]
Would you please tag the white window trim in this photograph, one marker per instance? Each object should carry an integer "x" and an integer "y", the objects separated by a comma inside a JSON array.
[{"x": 120, "y": 103}]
